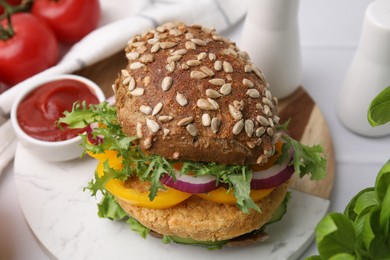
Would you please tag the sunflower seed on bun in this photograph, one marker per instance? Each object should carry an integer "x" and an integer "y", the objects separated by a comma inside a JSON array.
[{"x": 191, "y": 72}]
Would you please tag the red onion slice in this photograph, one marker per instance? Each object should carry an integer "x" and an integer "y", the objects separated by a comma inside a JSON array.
[
  {"x": 190, "y": 184},
  {"x": 111, "y": 100},
  {"x": 273, "y": 176},
  {"x": 93, "y": 140}
]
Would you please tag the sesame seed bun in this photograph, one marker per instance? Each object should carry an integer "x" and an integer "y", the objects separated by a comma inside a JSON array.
[
  {"x": 202, "y": 220},
  {"x": 190, "y": 94}
]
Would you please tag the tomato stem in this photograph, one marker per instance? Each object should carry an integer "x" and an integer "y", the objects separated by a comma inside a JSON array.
[{"x": 6, "y": 32}]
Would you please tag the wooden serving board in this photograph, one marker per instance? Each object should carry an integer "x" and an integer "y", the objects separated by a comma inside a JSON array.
[{"x": 307, "y": 124}]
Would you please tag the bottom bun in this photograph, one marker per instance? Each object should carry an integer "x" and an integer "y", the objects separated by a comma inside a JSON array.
[{"x": 202, "y": 220}]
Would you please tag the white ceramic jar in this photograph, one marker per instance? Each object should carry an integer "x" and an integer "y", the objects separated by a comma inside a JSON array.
[
  {"x": 369, "y": 72},
  {"x": 271, "y": 37}
]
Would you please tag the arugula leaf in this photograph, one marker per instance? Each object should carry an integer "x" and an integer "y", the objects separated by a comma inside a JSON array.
[
  {"x": 242, "y": 189},
  {"x": 335, "y": 234},
  {"x": 109, "y": 208},
  {"x": 309, "y": 160},
  {"x": 379, "y": 109}
]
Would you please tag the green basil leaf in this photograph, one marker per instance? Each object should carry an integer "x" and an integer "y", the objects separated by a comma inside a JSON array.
[
  {"x": 343, "y": 256},
  {"x": 383, "y": 181},
  {"x": 365, "y": 202},
  {"x": 379, "y": 109},
  {"x": 384, "y": 217},
  {"x": 335, "y": 234},
  {"x": 349, "y": 211},
  {"x": 373, "y": 238}
]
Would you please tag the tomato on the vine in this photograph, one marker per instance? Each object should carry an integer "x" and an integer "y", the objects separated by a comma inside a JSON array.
[
  {"x": 31, "y": 48},
  {"x": 70, "y": 20}
]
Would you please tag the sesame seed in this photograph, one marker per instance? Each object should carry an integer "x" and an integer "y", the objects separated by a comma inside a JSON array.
[
  {"x": 141, "y": 49},
  {"x": 250, "y": 144},
  {"x": 259, "y": 106},
  {"x": 192, "y": 130},
  {"x": 181, "y": 99},
  {"x": 268, "y": 102},
  {"x": 230, "y": 51},
  {"x": 276, "y": 119},
  {"x": 137, "y": 92},
  {"x": 184, "y": 66},
  {"x": 226, "y": 89},
  {"x": 253, "y": 93},
  {"x": 193, "y": 63},
  {"x": 157, "y": 108},
  {"x": 247, "y": 83},
  {"x": 267, "y": 110},
  {"x": 261, "y": 159},
  {"x": 175, "y": 32},
  {"x": 258, "y": 73},
  {"x": 227, "y": 67},
  {"x": 136, "y": 65},
  {"x": 268, "y": 94},
  {"x": 212, "y": 56},
  {"x": 271, "y": 123},
  {"x": 238, "y": 126},
  {"x": 152, "y": 125},
  {"x": 217, "y": 81},
  {"x": 152, "y": 40},
  {"x": 211, "y": 93},
  {"x": 166, "y": 83},
  {"x": 197, "y": 75},
  {"x": 147, "y": 110},
  {"x": 185, "y": 121},
  {"x": 206, "y": 119}
]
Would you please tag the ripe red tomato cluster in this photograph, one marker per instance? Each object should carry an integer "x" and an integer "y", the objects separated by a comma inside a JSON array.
[{"x": 36, "y": 34}]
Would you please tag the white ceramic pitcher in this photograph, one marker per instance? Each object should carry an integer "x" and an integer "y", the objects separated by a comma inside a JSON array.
[
  {"x": 369, "y": 72},
  {"x": 271, "y": 37}
]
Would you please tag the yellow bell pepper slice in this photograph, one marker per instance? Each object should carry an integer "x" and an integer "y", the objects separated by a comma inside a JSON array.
[
  {"x": 136, "y": 192},
  {"x": 221, "y": 195}
]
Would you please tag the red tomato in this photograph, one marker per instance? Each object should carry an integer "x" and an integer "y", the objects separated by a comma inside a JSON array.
[
  {"x": 70, "y": 20},
  {"x": 31, "y": 49}
]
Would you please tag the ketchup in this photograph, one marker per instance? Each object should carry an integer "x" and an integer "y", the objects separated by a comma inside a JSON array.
[{"x": 38, "y": 112}]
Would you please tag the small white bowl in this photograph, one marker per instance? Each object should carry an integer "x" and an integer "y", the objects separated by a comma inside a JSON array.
[{"x": 58, "y": 150}]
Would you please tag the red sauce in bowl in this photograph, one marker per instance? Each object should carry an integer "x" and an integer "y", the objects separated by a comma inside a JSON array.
[{"x": 38, "y": 112}]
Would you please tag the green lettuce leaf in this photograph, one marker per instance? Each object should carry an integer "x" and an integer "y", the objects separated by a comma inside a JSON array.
[
  {"x": 109, "y": 208},
  {"x": 138, "y": 227}
]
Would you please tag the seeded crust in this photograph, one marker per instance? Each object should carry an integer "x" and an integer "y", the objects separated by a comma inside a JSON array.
[
  {"x": 190, "y": 94},
  {"x": 203, "y": 220}
]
